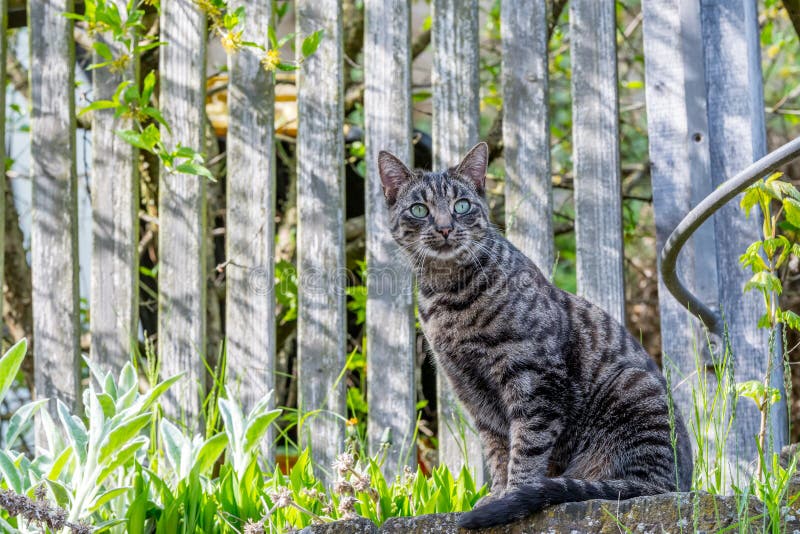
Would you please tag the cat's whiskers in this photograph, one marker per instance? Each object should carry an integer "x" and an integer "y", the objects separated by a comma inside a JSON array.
[{"x": 477, "y": 263}]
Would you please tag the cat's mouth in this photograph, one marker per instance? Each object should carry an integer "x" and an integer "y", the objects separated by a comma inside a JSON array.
[{"x": 445, "y": 249}]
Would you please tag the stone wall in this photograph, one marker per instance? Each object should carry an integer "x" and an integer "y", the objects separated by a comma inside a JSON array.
[{"x": 672, "y": 512}]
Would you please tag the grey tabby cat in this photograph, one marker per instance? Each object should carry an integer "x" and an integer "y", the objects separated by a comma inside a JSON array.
[{"x": 568, "y": 405}]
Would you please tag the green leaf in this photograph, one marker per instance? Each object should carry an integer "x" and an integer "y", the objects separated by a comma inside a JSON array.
[
  {"x": 150, "y": 46},
  {"x": 173, "y": 440},
  {"x": 197, "y": 169},
  {"x": 103, "y": 498},
  {"x": 137, "y": 509},
  {"x": 60, "y": 493},
  {"x": 98, "y": 104},
  {"x": 156, "y": 115},
  {"x": 311, "y": 43},
  {"x": 127, "y": 379},
  {"x": 103, "y": 51},
  {"x": 285, "y": 39},
  {"x": 96, "y": 416},
  {"x": 109, "y": 386},
  {"x": 10, "y": 364},
  {"x": 74, "y": 16},
  {"x": 122, "y": 435},
  {"x": 59, "y": 463},
  {"x": 148, "y": 84},
  {"x": 772, "y": 190},
  {"x": 764, "y": 281},
  {"x": 231, "y": 20},
  {"x": 287, "y": 67},
  {"x": 774, "y": 176},
  {"x": 790, "y": 319},
  {"x": 185, "y": 152},
  {"x": 107, "y": 525},
  {"x": 123, "y": 456},
  {"x": 210, "y": 452},
  {"x": 135, "y": 138},
  {"x": 755, "y": 390},
  {"x": 20, "y": 419},
  {"x": 259, "y": 426},
  {"x": 791, "y": 208},
  {"x": 749, "y": 199},
  {"x": 273, "y": 39},
  {"x": 152, "y": 395},
  {"x": 119, "y": 90},
  {"x": 76, "y": 432},
  {"x": 772, "y": 245},
  {"x": 234, "y": 422},
  {"x": 107, "y": 403},
  {"x": 10, "y": 473}
]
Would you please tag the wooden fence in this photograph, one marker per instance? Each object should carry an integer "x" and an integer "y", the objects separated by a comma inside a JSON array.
[{"x": 705, "y": 122}]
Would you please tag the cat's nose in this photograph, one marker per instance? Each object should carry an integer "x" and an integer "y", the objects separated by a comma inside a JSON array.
[{"x": 444, "y": 230}]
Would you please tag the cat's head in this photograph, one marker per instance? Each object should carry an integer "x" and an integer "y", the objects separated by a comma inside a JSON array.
[{"x": 439, "y": 216}]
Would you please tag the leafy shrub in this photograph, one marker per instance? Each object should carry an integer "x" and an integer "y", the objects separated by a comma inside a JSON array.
[{"x": 126, "y": 468}]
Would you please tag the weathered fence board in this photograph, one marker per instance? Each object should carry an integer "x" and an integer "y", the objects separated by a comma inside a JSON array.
[
  {"x": 182, "y": 208},
  {"x": 54, "y": 230},
  {"x": 250, "y": 229},
  {"x": 455, "y": 126},
  {"x": 115, "y": 218},
  {"x": 737, "y": 138},
  {"x": 526, "y": 130},
  {"x": 390, "y": 300},
  {"x": 595, "y": 133},
  {"x": 3, "y": 49},
  {"x": 321, "y": 323},
  {"x": 679, "y": 166}
]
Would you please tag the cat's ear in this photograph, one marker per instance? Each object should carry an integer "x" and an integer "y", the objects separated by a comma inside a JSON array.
[
  {"x": 473, "y": 166},
  {"x": 393, "y": 175}
]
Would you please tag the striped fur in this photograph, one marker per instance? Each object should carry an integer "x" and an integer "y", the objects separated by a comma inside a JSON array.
[{"x": 568, "y": 404}]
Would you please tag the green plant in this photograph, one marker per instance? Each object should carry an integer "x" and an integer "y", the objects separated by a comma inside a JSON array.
[
  {"x": 765, "y": 258},
  {"x": 122, "y": 467}
]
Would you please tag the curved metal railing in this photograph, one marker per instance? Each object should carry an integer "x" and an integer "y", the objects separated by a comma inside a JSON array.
[{"x": 699, "y": 214}]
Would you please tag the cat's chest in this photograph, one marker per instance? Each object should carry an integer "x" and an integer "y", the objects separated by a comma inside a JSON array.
[{"x": 454, "y": 332}]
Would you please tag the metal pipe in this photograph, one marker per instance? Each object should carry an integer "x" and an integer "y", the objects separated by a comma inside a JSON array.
[{"x": 700, "y": 213}]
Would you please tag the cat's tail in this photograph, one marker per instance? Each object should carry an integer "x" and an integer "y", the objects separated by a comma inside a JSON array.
[{"x": 522, "y": 502}]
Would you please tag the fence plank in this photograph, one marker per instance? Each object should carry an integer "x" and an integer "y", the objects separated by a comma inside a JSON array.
[
  {"x": 679, "y": 166},
  {"x": 455, "y": 126},
  {"x": 320, "y": 234},
  {"x": 3, "y": 51},
  {"x": 250, "y": 307},
  {"x": 115, "y": 223},
  {"x": 595, "y": 132},
  {"x": 526, "y": 130},
  {"x": 182, "y": 214},
  {"x": 54, "y": 238},
  {"x": 737, "y": 138},
  {"x": 390, "y": 302}
]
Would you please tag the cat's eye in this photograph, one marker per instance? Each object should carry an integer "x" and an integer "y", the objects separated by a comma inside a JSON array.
[
  {"x": 461, "y": 206},
  {"x": 419, "y": 210}
]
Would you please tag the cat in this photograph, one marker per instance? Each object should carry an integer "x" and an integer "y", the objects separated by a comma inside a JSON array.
[{"x": 568, "y": 405}]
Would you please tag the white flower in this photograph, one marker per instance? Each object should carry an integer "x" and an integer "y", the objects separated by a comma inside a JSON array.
[{"x": 282, "y": 498}]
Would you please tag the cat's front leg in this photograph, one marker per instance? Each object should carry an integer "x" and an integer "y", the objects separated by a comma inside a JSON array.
[
  {"x": 536, "y": 421},
  {"x": 495, "y": 449}
]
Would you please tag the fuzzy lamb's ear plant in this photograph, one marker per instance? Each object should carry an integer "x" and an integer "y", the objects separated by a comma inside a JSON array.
[
  {"x": 186, "y": 454},
  {"x": 245, "y": 433},
  {"x": 10, "y": 364},
  {"x": 9, "y": 367},
  {"x": 117, "y": 415}
]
